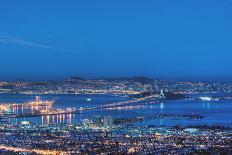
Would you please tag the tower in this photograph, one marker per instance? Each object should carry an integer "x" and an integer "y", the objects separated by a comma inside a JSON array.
[
  {"x": 108, "y": 121},
  {"x": 161, "y": 95},
  {"x": 37, "y": 98}
]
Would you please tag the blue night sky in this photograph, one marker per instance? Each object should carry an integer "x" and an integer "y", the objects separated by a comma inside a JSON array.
[{"x": 166, "y": 39}]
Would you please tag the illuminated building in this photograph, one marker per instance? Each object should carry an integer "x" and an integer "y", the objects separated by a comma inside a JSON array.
[{"x": 108, "y": 121}]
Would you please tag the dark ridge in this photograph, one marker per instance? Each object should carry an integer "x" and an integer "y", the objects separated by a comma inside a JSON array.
[
  {"x": 76, "y": 78},
  {"x": 136, "y": 79},
  {"x": 142, "y": 79}
]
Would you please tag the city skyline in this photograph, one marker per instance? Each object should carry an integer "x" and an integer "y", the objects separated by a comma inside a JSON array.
[
  {"x": 157, "y": 39},
  {"x": 115, "y": 77}
]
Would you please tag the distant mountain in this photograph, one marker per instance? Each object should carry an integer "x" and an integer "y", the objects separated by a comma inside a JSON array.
[
  {"x": 141, "y": 79},
  {"x": 134, "y": 79},
  {"x": 76, "y": 78}
]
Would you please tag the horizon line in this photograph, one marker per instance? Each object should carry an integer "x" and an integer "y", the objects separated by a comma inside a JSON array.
[{"x": 119, "y": 77}]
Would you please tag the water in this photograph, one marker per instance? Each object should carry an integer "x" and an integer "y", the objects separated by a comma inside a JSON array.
[{"x": 214, "y": 113}]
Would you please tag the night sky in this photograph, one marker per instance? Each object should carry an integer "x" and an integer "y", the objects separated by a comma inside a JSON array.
[{"x": 165, "y": 39}]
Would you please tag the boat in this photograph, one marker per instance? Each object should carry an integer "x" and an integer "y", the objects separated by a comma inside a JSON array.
[{"x": 89, "y": 99}]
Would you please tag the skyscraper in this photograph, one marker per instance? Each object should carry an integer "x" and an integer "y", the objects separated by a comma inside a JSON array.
[{"x": 108, "y": 121}]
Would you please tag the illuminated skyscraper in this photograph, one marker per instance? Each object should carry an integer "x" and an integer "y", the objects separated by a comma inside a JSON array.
[{"x": 108, "y": 121}]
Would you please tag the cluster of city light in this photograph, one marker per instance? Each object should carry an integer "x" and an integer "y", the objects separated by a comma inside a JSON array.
[
  {"x": 3, "y": 107},
  {"x": 36, "y": 103},
  {"x": 37, "y": 151},
  {"x": 205, "y": 98}
]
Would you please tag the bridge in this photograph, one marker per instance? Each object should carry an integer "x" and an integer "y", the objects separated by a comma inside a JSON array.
[{"x": 51, "y": 111}]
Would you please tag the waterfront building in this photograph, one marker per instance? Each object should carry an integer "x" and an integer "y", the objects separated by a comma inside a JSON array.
[
  {"x": 85, "y": 122},
  {"x": 108, "y": 121},
  {"x": 5, "y": 116},
  {"x": 161, "y": 95}
]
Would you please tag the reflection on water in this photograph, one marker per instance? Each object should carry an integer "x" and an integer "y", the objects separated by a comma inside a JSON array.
[
  {"x": 219, "y": 113},
  {"x": 21, "y": 110},
  {"x": 67, "y": 119},
  {"x": 206, "y": 105},
  {"x": 161, "y": 106}
]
